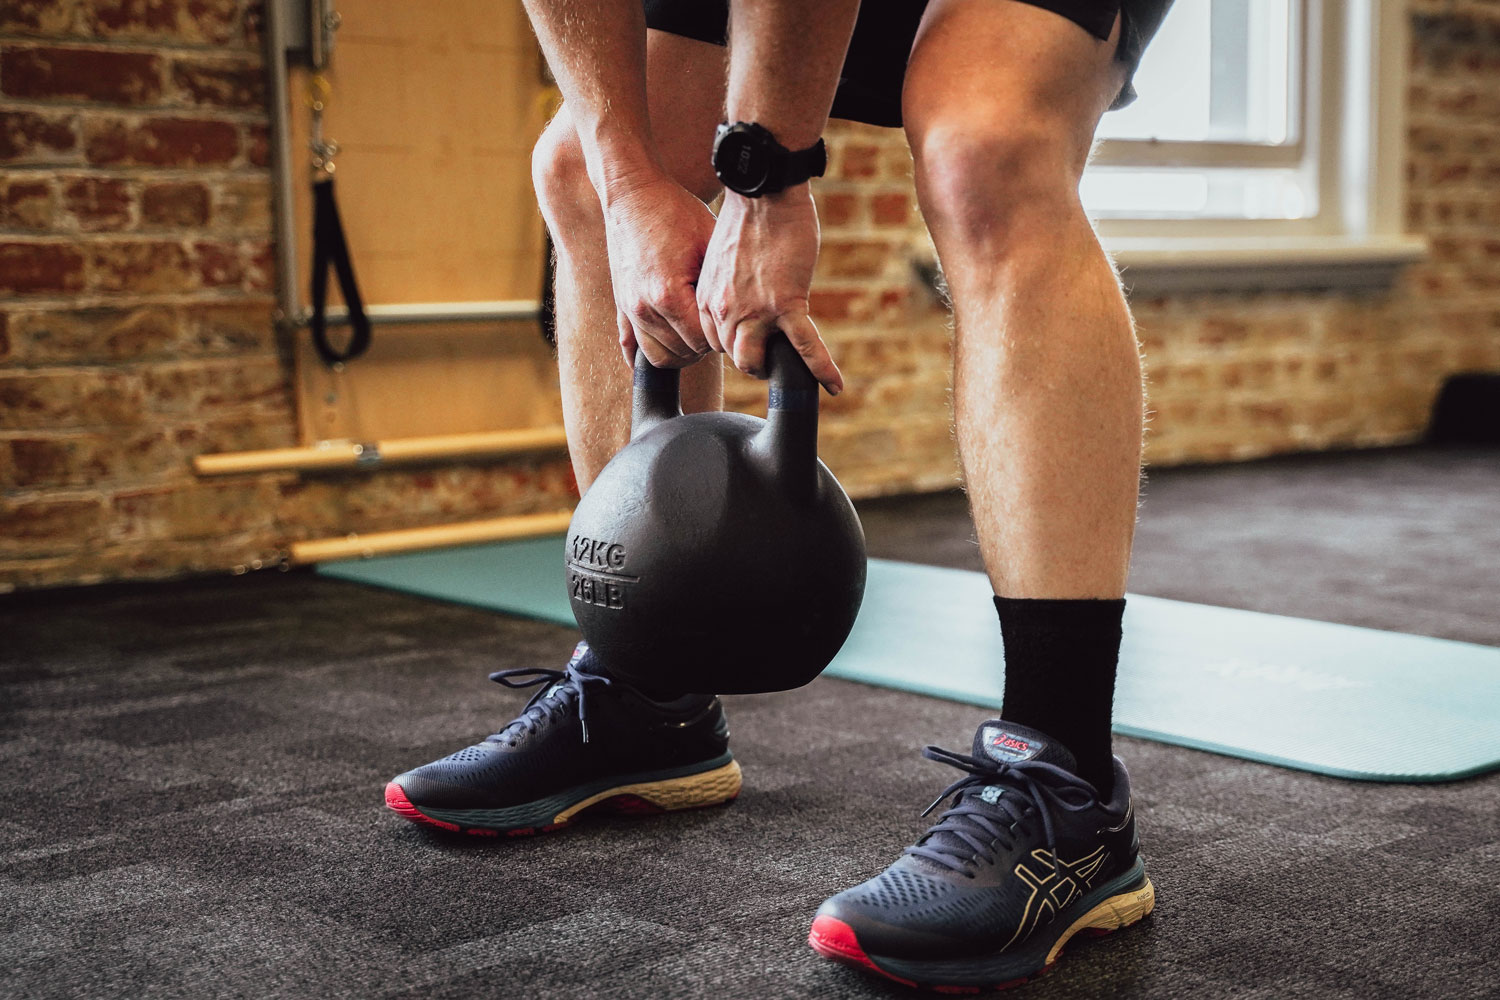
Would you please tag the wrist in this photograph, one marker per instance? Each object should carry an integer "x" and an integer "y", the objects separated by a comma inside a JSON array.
[
  {"x": 791, "y": 197},
  {"x": 619, "y": 161}
]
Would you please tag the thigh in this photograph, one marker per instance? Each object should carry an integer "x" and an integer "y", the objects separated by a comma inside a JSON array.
[
  {"x": 685, "y": 86},
  {"x": 1008, "y": 64}
]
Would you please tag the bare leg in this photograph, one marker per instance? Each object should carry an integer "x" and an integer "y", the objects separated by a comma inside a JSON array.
[
  {"x": 685, "y": 87},
  {"x": 1002, "y": 100}
]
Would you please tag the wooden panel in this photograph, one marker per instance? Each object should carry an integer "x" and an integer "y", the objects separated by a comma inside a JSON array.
[
  {"x": 431, "y": 379},
  {"x": 435, "y": 107}
]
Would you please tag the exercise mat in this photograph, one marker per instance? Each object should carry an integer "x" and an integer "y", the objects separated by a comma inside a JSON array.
[{"x": 1332, "y": 699}]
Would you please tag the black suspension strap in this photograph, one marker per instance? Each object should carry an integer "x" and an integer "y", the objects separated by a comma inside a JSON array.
[{"x": 330, "y": 249}]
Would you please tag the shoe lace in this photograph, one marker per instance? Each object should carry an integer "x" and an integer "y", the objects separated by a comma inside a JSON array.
[
  {"x": 564, "y": 689},
  {"x": 970, "y": 831}
]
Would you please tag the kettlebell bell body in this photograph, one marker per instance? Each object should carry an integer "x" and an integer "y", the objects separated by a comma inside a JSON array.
[{"x": 715, "y": 553}]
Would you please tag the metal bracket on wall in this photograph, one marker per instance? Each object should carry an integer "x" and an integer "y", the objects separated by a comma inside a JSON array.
[{"x": 308, "y": 29}]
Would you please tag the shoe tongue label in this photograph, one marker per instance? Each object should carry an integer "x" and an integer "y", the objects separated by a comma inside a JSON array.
[
  {"x": 579, "y": 652},
  {"x": 1007, "y": 747}
]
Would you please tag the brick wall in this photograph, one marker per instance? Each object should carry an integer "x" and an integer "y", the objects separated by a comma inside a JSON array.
[
  {"x": 135, "y": 307},
  {"x": 136, "y": 277}
]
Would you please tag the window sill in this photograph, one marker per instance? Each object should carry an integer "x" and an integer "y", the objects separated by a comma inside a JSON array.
[{"x": 1157, "y": 265}]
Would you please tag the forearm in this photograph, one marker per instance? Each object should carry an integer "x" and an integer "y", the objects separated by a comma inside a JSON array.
[
  {"x": 597, "y": 52},
  {"x": 784, "y": 62}
]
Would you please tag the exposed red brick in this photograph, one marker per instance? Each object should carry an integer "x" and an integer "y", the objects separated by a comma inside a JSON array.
[
  {"x": 98, "y": 457},
  {"x": 243, "y": 205},
  {"x": 891, "y": 209},
  {"x": 200, "y": 387},
  {"x": 82, "y": 336},
  {"x": 37, "y": 17},
  {"x": 175, "y": 203},
  {"x": 218, "y": 264},
  {"x": 48, "y": 461},
  {"x": 58, "y": 73},
  {"x": 857, "y": 160},
  {"x": 40, "y": 268},
  {"x": 212, "y": 21},
  {"x": 198, "y": 510},
  {"x": 141, "y": 267},
  {"x": 31, "y": 137},
  {"x": 828, "y": 305},
  {"x": 31, "y": 401},
  {"x": 257, "y": 146},
  {"x": 853, "y": 258},
  {"x": 98, "y": 203},
  {"x": 134, "y": 333},
  {"x": 1217, "y": 332},
  {"x": 55, "y": 522},
  {"x": 260, "y": 274},
  {"x": 161, "y": 142},
  {"x": 837, "y": 209},
  {"x": 226, "y": 328},
  {"x": 219, "y": 83},
  {"x": 27, "y": 204}
]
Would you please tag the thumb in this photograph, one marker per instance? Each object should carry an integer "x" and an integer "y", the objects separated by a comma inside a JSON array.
[{"x": 803, "y": 334}]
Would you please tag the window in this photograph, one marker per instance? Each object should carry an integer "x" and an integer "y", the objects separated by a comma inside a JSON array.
[
  {"x": 1222, "y": 104},
  {"x": 1262, "y": 125}
]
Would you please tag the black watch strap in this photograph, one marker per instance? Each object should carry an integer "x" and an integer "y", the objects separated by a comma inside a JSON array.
[{"x": 799, "y": 165}]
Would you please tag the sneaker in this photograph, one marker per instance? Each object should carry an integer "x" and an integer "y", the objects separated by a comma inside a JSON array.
[
  {"x": 584, "y": 742},
  {"x": 1025, "y": 857}
]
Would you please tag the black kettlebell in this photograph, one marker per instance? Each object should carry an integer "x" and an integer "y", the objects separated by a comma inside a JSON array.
[{"x": 715, "y": 553}]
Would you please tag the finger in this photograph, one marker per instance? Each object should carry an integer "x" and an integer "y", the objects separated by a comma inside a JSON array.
[
  {"x": 710, "y": 329},
  {"x": 661, "y": 355},
  {"x": 627, "y": 337},
  {"x": 679, "y": 310},
  {"x": 750, "y": 346},
  {"x": 803, "y": 334},
  {"x": 649, "y": 323}
]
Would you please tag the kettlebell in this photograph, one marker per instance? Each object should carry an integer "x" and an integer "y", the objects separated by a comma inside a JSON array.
[{"x": 715, "y": 553}]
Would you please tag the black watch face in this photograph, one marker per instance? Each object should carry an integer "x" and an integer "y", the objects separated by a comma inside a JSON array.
[{"x": 742, "y": 162}]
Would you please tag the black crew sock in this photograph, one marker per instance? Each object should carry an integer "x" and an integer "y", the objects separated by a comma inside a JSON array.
[{"x": 1060, "y": 660}]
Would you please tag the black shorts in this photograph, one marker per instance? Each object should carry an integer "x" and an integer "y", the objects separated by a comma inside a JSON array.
[{"x": 870, "y": 84}]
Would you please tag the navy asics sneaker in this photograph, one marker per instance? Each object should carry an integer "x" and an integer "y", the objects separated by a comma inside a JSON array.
[
  {"x": 1025, "y": 857},
  {"x": 585, "y": 741}
]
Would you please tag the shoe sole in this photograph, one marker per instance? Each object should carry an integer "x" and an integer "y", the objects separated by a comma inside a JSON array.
[
  {"x": 640, "y": 798},
  {"x": 834, "y": 939}
]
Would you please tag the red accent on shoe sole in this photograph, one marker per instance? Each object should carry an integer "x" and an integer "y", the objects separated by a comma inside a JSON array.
[
  {"x": 832, "y": 938},
  {"x": 396, "y": 800}
]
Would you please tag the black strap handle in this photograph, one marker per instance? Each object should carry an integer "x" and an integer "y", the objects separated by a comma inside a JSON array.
[{"x": 330, "y": 248}]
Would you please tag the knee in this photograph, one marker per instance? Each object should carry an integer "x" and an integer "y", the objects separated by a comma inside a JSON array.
[
  {"x": 563, "y": 190},
  {"x": 997, "y": 184}
]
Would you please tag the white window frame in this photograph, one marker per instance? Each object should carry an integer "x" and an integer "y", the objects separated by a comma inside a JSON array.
[{"x": 1351, "y": 132}]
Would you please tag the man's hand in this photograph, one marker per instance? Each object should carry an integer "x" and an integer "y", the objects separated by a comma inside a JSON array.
[
  {"x": 657, "y": 233},
  {"x": 756, "y": 279}
]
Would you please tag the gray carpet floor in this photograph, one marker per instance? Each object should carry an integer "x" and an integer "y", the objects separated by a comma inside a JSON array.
[{"x": 191, "y": 777}]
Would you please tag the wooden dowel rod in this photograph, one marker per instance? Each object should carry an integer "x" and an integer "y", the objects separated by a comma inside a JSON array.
[
  {"x": 382, "y": 543},
  {"x": 355, "y": 455}
]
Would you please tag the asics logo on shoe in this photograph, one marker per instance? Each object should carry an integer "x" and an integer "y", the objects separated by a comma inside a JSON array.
[{"x": 1009, "y": 748}]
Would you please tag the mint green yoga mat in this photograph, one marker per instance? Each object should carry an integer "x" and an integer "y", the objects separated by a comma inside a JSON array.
[{"x": 1332, "y": 699}]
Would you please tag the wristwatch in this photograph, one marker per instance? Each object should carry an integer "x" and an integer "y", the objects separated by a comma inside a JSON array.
[{"x": 748, "y": 160}]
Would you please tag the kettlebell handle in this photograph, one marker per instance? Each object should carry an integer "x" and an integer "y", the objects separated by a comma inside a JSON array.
[
  {"x": 655, "y": 397},
  {"x": 789, "y": 443},
  {"x": 791, "y": 433}
]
